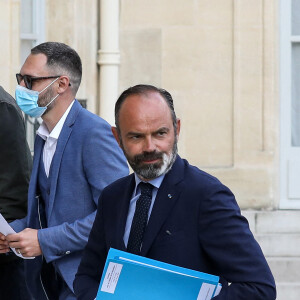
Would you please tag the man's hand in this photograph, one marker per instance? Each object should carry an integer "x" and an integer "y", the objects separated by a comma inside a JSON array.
[
  {"x": 26, "y": 242},
  {"x": 4, "y": 248}
]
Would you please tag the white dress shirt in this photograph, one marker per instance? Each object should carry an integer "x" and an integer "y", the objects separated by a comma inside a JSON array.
[{"x": 51, "y": 139}]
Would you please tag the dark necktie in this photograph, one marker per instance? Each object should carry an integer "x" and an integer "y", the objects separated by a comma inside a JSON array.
[{"x": 140, "y": 218}]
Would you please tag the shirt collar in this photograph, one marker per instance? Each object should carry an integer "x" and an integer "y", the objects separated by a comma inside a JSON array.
[
  {"x": 156, "y": 182},
  {"x": 43, "y": 131}
]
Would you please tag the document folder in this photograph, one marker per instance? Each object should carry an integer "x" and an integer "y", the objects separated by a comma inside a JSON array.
[{"x": 129, "y": 276}]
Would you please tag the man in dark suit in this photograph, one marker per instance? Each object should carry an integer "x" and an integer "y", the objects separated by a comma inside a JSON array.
[
  {"x": 192, "y": 220},
  {"x": 15, "y": 168},
  {"x": 75, "y": 157}
]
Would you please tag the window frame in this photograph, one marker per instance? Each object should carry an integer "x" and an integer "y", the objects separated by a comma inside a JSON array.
[
  {"x": 38, "y": 23},
  {"x": 288, "y": 154},
  {"x": 36, "y": 37}
]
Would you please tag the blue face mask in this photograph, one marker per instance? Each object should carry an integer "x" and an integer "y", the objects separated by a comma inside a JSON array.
[{"x": 27, "y": 100}]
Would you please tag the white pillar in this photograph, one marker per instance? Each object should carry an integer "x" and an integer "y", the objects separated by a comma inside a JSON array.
[{"x": 109, "y": 58}]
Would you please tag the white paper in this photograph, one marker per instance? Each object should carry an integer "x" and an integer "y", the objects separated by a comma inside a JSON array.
[
  {"x": 218, "y": 289},
  {"x": 111, "y": 277},
  {"x": 206, "y": 291},
  {"x": 6, "y": 229},
  {"x": 155, "y": 267}
]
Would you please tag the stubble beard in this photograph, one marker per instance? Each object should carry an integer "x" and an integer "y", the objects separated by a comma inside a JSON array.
[{"x": 46, "y": 98}]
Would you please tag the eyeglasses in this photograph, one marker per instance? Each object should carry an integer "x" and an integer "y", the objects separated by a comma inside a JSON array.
[{"x": 29, "y": 79}]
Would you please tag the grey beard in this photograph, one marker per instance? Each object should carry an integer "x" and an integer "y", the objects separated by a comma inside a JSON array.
[{"x": 155, "y": 170}]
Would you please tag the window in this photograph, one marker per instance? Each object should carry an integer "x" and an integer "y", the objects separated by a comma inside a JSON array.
[
  {"x": 32, "y": 33},
  {"x": 290, "y": 103}
]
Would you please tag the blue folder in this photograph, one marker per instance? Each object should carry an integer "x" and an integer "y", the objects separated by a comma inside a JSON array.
[{"x": 129, "y": 276}]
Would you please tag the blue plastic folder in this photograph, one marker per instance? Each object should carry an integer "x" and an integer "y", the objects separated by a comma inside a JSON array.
[{"x": 129, "y": 276}]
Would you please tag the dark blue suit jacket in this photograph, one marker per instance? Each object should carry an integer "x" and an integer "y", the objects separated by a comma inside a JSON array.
[{"x": 208, "y": 234}]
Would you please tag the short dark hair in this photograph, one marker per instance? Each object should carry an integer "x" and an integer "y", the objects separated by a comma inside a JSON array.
[
  {"x": 62, "y": 58},
  {"x": 144, "y": 89}
]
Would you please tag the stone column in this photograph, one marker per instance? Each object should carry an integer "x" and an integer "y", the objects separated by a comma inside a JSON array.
[{"x": 109, "y": 58}]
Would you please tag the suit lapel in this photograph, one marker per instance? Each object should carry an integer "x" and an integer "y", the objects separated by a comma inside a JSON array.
[
  {"x": 60, "y": 147},
  {"x": 38, "y": 147},
  {"x": 166, "y": 198},
  {"x": 124, "y": 206}
]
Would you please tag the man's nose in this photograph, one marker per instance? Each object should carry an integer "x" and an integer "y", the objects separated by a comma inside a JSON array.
[{"x": 149, "y": 145}]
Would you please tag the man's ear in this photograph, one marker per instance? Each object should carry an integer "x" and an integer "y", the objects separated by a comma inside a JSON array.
[
  {"x": 178, "y": 128},
  {"x": 63, "y": 84},
  {"x": 115, "y": 132}
]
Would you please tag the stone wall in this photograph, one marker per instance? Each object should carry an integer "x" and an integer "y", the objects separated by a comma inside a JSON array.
[
  {"x": 10, "y": 44},
  {"x": 218, "y": 60},
  {"x": 75, "y": 23}
]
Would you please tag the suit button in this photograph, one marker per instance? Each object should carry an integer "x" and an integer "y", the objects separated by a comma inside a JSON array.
[
  {"x": 48, "y": 191},
  {"x": 68, "y": 252}
]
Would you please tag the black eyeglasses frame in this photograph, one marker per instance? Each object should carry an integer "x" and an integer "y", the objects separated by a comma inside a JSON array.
[{"x": 28, "y": 79}]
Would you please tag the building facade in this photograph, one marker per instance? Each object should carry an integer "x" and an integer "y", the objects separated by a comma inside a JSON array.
[{"x": 233, "y": 69}]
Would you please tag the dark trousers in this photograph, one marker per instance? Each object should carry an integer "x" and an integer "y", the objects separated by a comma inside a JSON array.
[
  {"x": 12, "y": 281},
  {"x": 54, "y": 285}
]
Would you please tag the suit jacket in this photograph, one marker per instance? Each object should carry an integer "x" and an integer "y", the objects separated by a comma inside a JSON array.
[
  {"x": 195, "y": 223},
  {"x": 87, "y": 158},
  {"x": 15, "y": 162}
]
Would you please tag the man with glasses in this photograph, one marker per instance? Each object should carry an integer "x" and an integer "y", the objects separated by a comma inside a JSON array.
[{"x": 75, "y": 157}]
